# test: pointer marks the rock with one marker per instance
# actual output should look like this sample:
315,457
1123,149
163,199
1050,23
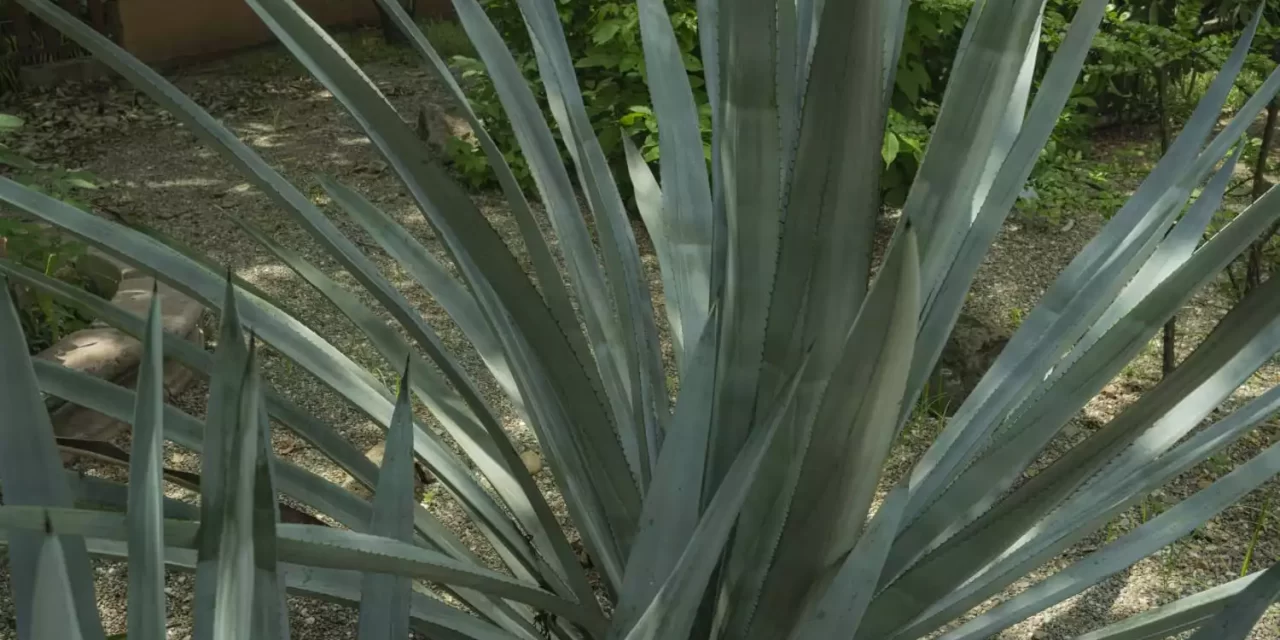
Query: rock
532,462
110,354
437,127
375,454
74,421
969,352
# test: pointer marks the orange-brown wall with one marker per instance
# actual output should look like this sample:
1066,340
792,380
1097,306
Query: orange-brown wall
163,30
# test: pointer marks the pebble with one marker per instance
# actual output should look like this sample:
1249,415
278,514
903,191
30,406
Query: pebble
532,462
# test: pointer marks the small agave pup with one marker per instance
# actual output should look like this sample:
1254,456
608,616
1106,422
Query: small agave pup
756,508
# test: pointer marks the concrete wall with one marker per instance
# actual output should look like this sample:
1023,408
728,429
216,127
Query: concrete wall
165,30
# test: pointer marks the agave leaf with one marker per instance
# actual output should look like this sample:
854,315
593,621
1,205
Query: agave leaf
819,286
544,265
850,439
31,474
750,158
480,436
1173,618
1106,263
337,549
182,429
287,334
498,281
322,547
808,23
433,277
114,496
671,612
1125,551
548,172
313,490
983,400
709,31
650,201
642,373
224,598
430,616
971,123
685,212
384,600
840,609
270,612
894,14
54,602
146,615
117,402
319,434
791,82
1173,251
1015,514
947,296
1106,497
673,503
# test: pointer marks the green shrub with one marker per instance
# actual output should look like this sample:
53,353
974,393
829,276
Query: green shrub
45,320
761,507
449,38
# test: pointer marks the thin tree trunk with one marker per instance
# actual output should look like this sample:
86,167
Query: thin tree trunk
1254,267
1169,343
390,33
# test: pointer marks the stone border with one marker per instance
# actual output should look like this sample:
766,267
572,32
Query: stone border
113,355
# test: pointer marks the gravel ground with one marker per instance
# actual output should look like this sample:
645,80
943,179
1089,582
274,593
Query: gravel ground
162,176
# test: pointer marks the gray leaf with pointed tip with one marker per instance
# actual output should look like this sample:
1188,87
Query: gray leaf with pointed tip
31,474
146,611
384,599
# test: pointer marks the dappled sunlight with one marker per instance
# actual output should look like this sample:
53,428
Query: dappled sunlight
270,141
182,183
355,141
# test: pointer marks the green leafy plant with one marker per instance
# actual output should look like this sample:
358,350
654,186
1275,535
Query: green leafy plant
61,183
45,320
758,508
